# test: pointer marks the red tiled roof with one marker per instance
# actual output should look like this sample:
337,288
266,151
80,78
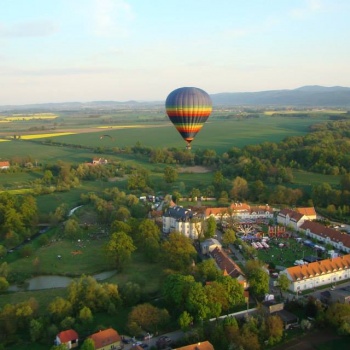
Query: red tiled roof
68,335
106,337
226,264
6,163
309,211
205,345
323,231
319,268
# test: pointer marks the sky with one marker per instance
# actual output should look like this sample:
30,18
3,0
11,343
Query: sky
120,50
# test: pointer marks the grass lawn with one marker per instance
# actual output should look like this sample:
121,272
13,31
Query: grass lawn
91,260
285,256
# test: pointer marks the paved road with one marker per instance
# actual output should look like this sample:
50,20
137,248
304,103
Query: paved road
174,336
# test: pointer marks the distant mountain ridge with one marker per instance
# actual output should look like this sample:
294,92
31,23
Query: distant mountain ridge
305,96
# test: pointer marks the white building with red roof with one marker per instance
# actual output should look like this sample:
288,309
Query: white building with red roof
4,165
289,217
319,273
69,338
327,235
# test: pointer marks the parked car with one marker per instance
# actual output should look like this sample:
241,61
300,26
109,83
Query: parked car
163,342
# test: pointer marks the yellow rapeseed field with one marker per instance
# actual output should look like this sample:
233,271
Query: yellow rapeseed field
4,140
40,136
31,117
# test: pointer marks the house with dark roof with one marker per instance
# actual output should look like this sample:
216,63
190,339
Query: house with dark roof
182,220
107,339
69,338
317,274
271,307
327,235
228,266
288,217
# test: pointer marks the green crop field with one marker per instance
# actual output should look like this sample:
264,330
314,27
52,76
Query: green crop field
216,134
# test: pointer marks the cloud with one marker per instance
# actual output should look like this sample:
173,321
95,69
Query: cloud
37,28
67,71
310,7
112,17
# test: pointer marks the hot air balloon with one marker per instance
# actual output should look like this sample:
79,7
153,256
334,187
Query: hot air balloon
188,108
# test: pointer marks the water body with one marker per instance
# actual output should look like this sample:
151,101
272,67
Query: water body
49,282
73,210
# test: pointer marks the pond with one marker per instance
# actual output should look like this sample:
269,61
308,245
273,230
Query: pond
49,282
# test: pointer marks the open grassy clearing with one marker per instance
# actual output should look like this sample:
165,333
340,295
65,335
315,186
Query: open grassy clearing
302,177
90,260
287,255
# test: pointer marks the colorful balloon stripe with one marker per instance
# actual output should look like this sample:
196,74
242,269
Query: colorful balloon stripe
188,108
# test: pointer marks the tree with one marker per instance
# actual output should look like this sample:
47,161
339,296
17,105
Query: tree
178,252
207,270
60,308
175,290
239,189
119,248
3,284
170,174
85,315
197,302
258,278
229,237
210,227
274,328
148,229
185,321
72,229
148,317
131,293
283,283
3,251
36,328
87,345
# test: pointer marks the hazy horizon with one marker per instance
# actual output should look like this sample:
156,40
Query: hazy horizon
121,50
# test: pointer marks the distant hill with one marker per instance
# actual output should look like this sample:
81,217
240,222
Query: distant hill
306,96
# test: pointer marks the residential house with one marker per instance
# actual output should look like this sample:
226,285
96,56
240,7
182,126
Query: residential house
327,235
271,307
228,266
317,274
205,345
69,338
209,245
4,165
291,218
99,161
241,211
182,220
107,339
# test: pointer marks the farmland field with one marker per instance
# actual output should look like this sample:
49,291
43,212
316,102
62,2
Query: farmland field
216,134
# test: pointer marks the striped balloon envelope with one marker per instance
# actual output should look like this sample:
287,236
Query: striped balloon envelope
188,108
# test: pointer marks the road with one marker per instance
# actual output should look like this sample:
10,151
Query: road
174,336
